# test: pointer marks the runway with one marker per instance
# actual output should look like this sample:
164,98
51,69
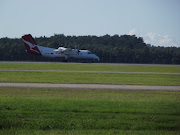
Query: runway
87,63
91,86
108,72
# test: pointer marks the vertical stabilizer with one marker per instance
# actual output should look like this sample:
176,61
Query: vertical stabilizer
30,45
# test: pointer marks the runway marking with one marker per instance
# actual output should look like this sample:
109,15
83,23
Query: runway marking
91,86
108,72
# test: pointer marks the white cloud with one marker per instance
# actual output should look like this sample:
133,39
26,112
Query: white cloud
155,39
165,36
151,35
165,40
132,32
159,40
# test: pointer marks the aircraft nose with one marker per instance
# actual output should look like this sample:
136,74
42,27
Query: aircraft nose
97,58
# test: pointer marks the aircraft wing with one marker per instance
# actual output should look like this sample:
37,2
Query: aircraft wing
64,49
67,49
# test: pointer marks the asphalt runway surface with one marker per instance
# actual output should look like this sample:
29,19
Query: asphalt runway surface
108,72
87,63
90,86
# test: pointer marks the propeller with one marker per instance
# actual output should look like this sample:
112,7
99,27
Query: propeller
78,51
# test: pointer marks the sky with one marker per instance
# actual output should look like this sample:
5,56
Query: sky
157,21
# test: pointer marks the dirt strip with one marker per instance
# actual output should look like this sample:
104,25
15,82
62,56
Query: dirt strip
90,86
108,72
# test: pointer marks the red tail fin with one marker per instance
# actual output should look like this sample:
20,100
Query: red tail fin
31,45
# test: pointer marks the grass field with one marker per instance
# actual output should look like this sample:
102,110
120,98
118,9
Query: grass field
91,67
67,111
62,111
89,78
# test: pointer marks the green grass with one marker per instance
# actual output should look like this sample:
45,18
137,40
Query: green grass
89,78
90,67
66,111
96,78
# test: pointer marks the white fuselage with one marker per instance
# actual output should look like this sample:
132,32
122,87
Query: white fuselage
67,53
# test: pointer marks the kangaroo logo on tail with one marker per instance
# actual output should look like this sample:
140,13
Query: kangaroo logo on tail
31,45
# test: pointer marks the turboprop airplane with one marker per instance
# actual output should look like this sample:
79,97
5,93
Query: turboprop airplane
32,48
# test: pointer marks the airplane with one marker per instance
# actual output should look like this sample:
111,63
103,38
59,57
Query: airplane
66,53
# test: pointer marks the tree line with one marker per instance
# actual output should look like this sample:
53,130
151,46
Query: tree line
110,49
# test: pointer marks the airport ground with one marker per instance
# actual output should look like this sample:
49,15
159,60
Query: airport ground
59,110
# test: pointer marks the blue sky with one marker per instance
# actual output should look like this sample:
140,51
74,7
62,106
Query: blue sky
157,21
